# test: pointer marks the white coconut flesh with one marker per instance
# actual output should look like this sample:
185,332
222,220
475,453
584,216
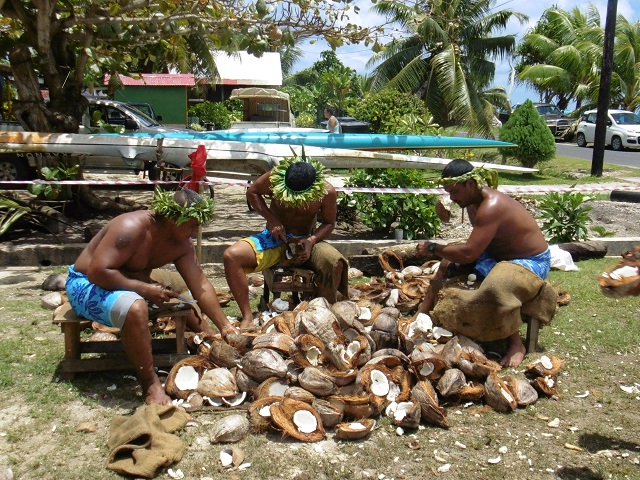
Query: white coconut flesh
549,381
277,389
379,383
226,457
213,401
271,328
426,369
422,324
546,362
265,412
441,332
506,394
622,272
391,409
187,378
280,305
357,426
365,313
235,400
394,391
313,354
305,421
352,349
401,410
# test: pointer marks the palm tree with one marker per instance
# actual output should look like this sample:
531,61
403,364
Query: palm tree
560,58
626,68
446,57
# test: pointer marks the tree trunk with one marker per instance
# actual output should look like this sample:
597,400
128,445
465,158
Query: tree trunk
585,250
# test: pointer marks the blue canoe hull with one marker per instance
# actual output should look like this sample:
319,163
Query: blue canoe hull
351,141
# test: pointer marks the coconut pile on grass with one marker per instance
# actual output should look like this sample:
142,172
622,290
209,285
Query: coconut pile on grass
341,366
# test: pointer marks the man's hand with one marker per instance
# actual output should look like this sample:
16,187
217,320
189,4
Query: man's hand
305,246
277,230
421,249
159,294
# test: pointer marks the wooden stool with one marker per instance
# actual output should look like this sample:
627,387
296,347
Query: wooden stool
279,279
166,351
533,329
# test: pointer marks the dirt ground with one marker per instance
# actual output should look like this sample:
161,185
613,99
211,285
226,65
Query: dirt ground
475,438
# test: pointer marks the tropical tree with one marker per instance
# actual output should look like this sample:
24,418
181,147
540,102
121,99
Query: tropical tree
626,67
446,57
560,58
63,46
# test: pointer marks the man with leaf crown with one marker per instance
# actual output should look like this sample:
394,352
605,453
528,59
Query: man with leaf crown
110,282
504,233
298,193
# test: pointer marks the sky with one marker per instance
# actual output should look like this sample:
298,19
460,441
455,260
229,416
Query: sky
356,56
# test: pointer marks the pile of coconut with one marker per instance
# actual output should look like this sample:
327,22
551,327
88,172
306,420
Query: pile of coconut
624,277
341,366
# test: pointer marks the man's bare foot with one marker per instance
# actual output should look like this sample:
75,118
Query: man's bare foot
514,356
156,394
247,324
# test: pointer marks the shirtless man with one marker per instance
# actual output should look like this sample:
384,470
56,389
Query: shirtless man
502,230
110,281
298,192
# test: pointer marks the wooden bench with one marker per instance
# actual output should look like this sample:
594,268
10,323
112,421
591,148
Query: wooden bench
279,279
533,330
166,351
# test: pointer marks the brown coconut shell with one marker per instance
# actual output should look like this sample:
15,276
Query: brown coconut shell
331,413
223,354
364,375
340,378
282,415
301,345
402,378
498,395
260,423
538,367
264,363
274,340
390,261
271,387
199,363
427,365
244,382
317,381
354,430
472,391
217,382
451,382
522,390
300,394
430,412
547,385
356,406
476,365
411,419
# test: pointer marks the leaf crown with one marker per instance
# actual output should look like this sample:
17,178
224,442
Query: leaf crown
479,174
165,205
297,198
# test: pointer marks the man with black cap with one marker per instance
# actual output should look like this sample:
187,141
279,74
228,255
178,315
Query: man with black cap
298,191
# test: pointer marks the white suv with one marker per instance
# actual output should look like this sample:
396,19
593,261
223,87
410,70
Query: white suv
623,129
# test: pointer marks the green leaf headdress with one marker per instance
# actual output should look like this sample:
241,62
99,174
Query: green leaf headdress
479,174
297,198
165,205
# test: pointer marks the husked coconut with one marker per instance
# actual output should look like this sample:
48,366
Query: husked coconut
317,381
184,376
277,341
244,382
451,382
346,312
217,382
354,430
223,354
410,272
498,395
298,420
424,394
318,320
330,412
263,363
522,391
230,429
384,331
545,365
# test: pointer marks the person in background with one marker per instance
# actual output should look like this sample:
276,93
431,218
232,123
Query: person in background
332,122
110,282
298,193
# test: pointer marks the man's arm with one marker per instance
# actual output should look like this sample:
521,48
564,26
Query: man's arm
328,210
203,291
256,194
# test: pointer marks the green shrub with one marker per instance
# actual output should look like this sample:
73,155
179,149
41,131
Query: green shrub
565,217
528,129
305,120
219,113
415,214
385,109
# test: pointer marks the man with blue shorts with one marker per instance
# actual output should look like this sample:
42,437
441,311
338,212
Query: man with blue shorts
110,282
298,193
503,230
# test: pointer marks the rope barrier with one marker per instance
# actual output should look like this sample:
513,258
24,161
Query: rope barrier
150,184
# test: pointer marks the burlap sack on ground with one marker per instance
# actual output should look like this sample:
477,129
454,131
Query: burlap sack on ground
497,308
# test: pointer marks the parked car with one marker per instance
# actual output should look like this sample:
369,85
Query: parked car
23,166
147,109
556,120
623,129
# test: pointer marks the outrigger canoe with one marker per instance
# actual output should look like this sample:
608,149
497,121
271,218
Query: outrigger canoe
352,141
249,158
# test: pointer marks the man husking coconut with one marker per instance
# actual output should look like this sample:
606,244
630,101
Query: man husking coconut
298,192
504,234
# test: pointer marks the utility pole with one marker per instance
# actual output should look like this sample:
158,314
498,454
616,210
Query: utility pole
597,161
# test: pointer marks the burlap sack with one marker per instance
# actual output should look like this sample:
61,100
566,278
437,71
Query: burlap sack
497,308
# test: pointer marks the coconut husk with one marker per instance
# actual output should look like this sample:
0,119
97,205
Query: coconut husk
472,391
224,298
230,429
357,352
222,354
364,377
331,413
390,261
300,394
522,390
545,366
451,352
279,324
415,288
498,395
260,423
198,363
275,340
451,382
241,342
217,382
342,378
564,298
99,327
547,385
317,381
389,357
346,312
476,365
354,430
430,412
244,382
356,406
302,345
402,378
623,277
271,387
264,363
406,415
428,365
282,415
318,320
